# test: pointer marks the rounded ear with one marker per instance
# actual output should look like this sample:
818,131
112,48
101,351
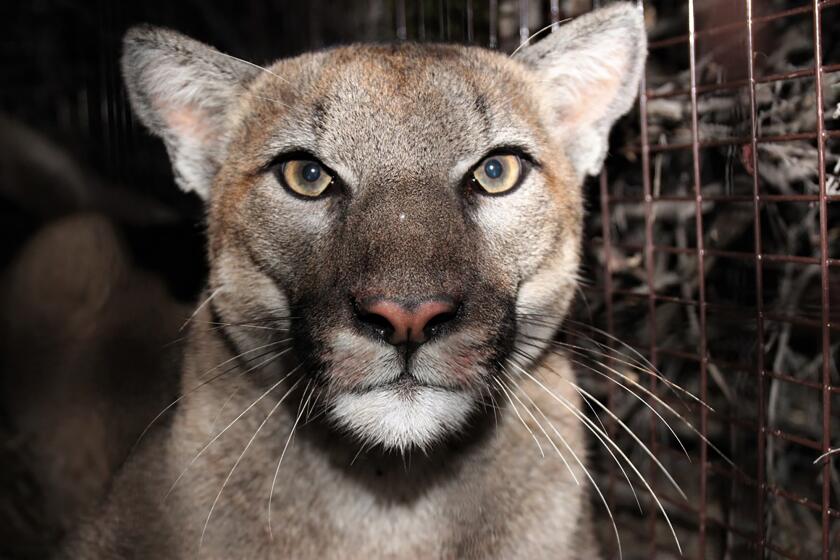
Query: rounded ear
591,68
182,91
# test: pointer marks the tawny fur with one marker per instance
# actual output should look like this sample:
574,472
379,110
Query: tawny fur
401,126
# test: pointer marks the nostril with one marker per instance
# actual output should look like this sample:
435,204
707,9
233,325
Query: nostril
437,322
375,322
386,319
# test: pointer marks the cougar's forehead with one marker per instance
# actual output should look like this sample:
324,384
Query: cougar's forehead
418,104
406,106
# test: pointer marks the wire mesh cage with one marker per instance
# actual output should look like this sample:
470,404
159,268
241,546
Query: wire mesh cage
712,260
719,256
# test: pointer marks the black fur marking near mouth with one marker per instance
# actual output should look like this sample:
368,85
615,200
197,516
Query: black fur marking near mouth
407,350
406,385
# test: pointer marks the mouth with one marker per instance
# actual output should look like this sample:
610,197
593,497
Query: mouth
404,396
407,384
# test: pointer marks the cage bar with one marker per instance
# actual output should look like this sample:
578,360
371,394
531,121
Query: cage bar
469,17
402,28
805,9
824,278
649,277
701,286
493,23
421,21
524,24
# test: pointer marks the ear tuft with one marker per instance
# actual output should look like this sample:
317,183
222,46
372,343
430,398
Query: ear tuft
182,90
591,68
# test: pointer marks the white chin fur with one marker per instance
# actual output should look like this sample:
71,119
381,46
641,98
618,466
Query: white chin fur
397,420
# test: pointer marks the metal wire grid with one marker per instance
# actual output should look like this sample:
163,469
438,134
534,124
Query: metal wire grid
758,539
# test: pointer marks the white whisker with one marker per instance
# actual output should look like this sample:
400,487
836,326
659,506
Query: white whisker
614,458
643,401
638,366
582,417
257,66
362,448
653,370
241,354
199,386
513,406
624,426
244,325
655,397
585,471
612,455
238,459
637,396
200,307
226,428
527,41
222,408
551,441
283,454
632,434
827,454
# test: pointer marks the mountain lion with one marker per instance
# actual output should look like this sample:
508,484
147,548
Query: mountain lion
394,238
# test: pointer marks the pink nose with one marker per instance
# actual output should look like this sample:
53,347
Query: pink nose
400,324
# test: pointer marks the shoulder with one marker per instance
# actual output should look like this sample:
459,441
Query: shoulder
133,521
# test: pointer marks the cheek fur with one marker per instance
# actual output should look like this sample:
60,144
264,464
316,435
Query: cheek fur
549,292
457,361
538,227
519,228
356,363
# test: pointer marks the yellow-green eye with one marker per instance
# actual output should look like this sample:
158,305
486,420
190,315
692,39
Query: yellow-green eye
306,177
498,173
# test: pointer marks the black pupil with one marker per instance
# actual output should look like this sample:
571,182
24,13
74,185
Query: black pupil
311,172
493,168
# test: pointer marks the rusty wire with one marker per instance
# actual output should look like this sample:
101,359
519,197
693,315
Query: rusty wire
758,539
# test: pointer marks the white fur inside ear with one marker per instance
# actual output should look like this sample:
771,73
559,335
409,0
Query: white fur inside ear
182,91
588,78
591,149
185,103
590,70
395,419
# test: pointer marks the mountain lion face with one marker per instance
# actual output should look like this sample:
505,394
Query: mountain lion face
405,217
